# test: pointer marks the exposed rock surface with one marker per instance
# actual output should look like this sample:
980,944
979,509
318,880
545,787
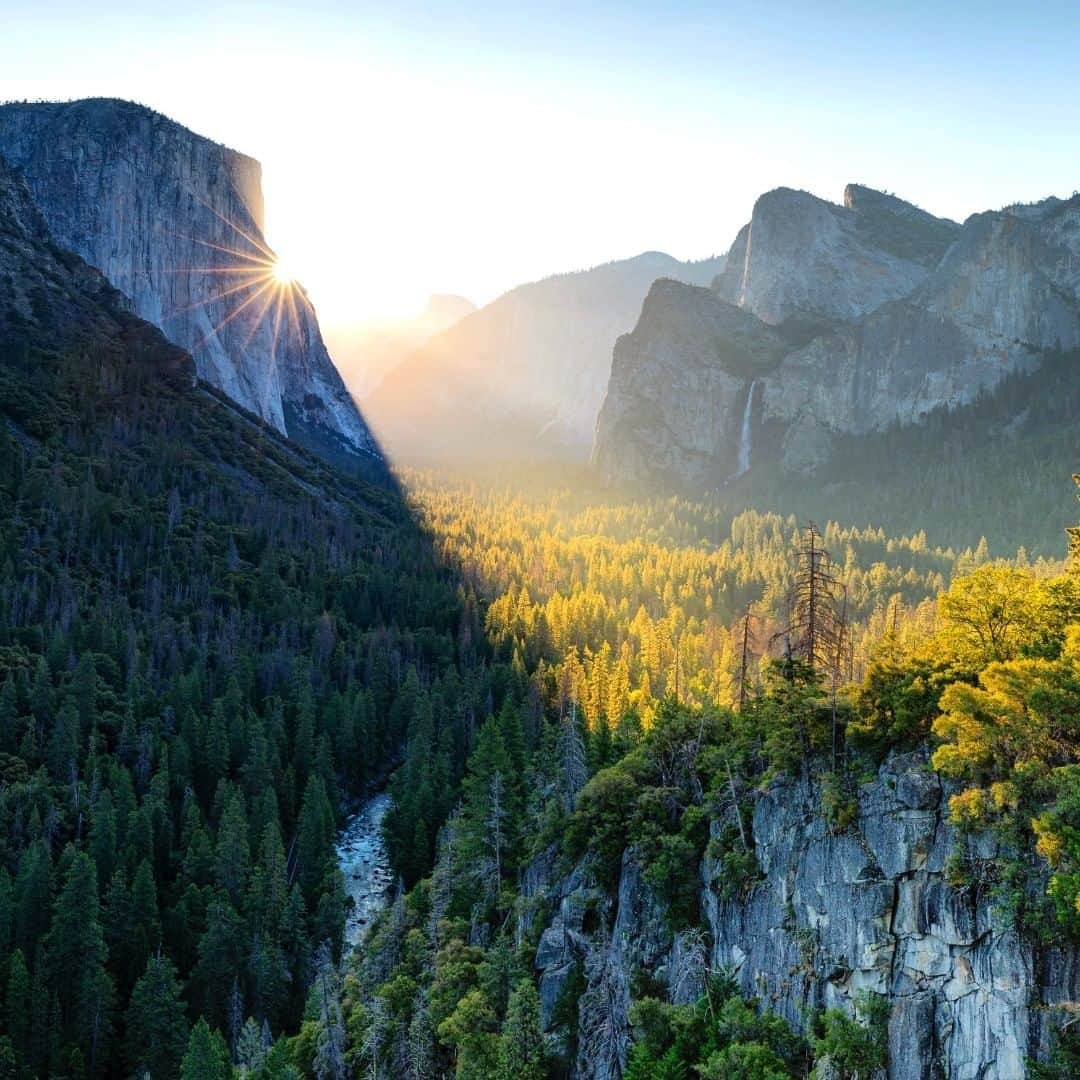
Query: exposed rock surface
833,915
680,432
174,221
803,256
50,297
527,372
888,312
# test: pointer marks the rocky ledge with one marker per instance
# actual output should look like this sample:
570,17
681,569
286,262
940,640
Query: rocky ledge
832,915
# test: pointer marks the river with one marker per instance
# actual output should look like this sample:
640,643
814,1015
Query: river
365,864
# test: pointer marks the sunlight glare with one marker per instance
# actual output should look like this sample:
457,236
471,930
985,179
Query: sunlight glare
282,274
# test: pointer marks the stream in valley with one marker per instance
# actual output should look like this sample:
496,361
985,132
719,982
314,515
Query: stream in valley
365,865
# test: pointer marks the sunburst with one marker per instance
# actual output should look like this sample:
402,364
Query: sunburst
253,282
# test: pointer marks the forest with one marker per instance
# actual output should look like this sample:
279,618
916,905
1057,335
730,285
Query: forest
212,645
674,665
206,642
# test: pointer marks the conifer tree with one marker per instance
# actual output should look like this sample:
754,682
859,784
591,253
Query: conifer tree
75,947
233,850
314,839
144,931
17,1008
32,897
522,1053
156,1030
207,1056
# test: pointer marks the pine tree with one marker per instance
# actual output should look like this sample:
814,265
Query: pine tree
17,1006
75,946
156,1030
145,928
329,1063
32,897
813,633
250,1047
102,840
233,852
207,1056
521,1051
314,839
221,950
573,766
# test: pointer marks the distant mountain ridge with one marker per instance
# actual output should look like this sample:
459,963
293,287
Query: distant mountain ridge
524,376
174,221
888,314
365,351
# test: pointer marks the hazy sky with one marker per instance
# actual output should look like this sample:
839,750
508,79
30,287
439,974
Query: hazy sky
459,147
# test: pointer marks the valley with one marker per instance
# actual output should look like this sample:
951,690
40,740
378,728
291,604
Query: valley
669,668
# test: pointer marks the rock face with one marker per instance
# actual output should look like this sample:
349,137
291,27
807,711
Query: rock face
801,256
50,298
888,313
868,909
174,221
688,432
529,370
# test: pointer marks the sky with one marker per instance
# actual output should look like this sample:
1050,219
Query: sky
469,147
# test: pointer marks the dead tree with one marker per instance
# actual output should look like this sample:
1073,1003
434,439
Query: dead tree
838,663
813,631
747,636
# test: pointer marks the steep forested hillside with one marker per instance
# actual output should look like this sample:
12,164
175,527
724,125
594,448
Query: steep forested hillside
209,642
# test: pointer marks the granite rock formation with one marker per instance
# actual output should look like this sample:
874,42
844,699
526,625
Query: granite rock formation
831,915
174,221
887,313
50,298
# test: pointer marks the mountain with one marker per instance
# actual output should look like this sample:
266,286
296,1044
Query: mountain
366,351
524,376
888,316
802,257
174,221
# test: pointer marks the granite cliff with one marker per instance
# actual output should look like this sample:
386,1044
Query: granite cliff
51,299
832,914
888,315
174,221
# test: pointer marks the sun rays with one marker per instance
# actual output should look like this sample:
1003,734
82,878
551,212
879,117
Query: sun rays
244,283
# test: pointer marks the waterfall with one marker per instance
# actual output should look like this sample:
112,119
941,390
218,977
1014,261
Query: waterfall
745,433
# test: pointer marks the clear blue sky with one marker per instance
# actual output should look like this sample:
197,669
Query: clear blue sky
468,147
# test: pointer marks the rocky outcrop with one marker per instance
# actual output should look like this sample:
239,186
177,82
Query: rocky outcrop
831,916
174,221
803,257
528,371
888,313
869,909
667,421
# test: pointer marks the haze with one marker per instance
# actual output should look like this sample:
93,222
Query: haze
466,149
